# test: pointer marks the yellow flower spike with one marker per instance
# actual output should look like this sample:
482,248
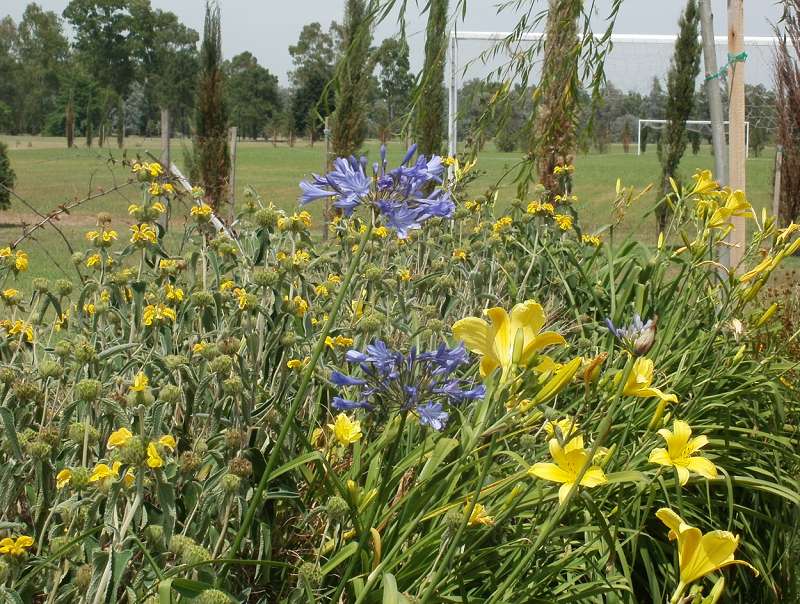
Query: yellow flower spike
102,471
495,341
168,441
15,547
63,478
569,461
640,380
699,554
479,516
154,459
345,430
704,183
140,382
735,205
119,438
680,451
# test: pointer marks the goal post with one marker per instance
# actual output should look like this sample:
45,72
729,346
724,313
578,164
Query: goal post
644,122
453,79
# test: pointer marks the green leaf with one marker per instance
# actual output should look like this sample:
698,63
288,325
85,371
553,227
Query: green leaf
11,432
342,555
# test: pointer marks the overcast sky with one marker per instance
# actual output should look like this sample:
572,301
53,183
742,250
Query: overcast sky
267,28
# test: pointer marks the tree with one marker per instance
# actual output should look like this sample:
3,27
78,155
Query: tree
626,136
352,80
554,133
43,51
683,72
396,82
430,106
787,78
166,62
252,94
212,157
7,178
104,41
9,82
314,57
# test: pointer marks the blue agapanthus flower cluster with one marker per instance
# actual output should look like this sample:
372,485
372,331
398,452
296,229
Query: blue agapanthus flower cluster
638,337
406,196
420,383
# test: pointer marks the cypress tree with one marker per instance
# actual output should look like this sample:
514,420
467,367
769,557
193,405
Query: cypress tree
352,81
431,104
212,157
69,124
554,138
7,178
683,72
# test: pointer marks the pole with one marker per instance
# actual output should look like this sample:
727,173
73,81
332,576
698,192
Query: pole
233,137
776,191
736,151
714,95
639,138
452,134
327,211
166,162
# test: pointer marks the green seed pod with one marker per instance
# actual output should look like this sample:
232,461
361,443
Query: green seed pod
170,394
266,217
38,449
50,435
370,323
266,277
230,483
63,349
310,572
83,577
7,375
200,446
527,443
202,299
80,478
233,385
241,467
27,392
173,361
210,352
195,554
228,345
222,364
76,433
212,596
235,439
41,285
88,390
289,338
189,461
154,534
337,509
453,519
179,543
133,452
49,368
85,352
63,287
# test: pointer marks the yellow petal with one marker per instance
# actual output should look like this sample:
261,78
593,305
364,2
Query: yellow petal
660,457
715,550
500,335
550,471
474,332
702,466
564,491
529,317
154,460
683,474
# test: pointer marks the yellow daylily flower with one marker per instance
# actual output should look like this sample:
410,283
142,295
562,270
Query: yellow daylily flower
704,182
567,426
140,382
15,547
679,452
63,478
119,438
640,380
479,516
735,205
345,430
496,341
154,459
699,554
569,461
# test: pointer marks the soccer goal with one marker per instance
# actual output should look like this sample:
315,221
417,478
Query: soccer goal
634,62
699,126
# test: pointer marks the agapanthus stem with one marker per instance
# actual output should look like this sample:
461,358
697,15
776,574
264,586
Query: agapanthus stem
305,382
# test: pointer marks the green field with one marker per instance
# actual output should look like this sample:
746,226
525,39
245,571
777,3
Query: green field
49,174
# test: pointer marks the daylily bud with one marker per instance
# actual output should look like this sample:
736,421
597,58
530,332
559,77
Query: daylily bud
767,315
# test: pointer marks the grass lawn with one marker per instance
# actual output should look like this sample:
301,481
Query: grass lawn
49,174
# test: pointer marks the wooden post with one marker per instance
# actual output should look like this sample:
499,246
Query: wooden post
165,160
736,150
232,135
776,190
